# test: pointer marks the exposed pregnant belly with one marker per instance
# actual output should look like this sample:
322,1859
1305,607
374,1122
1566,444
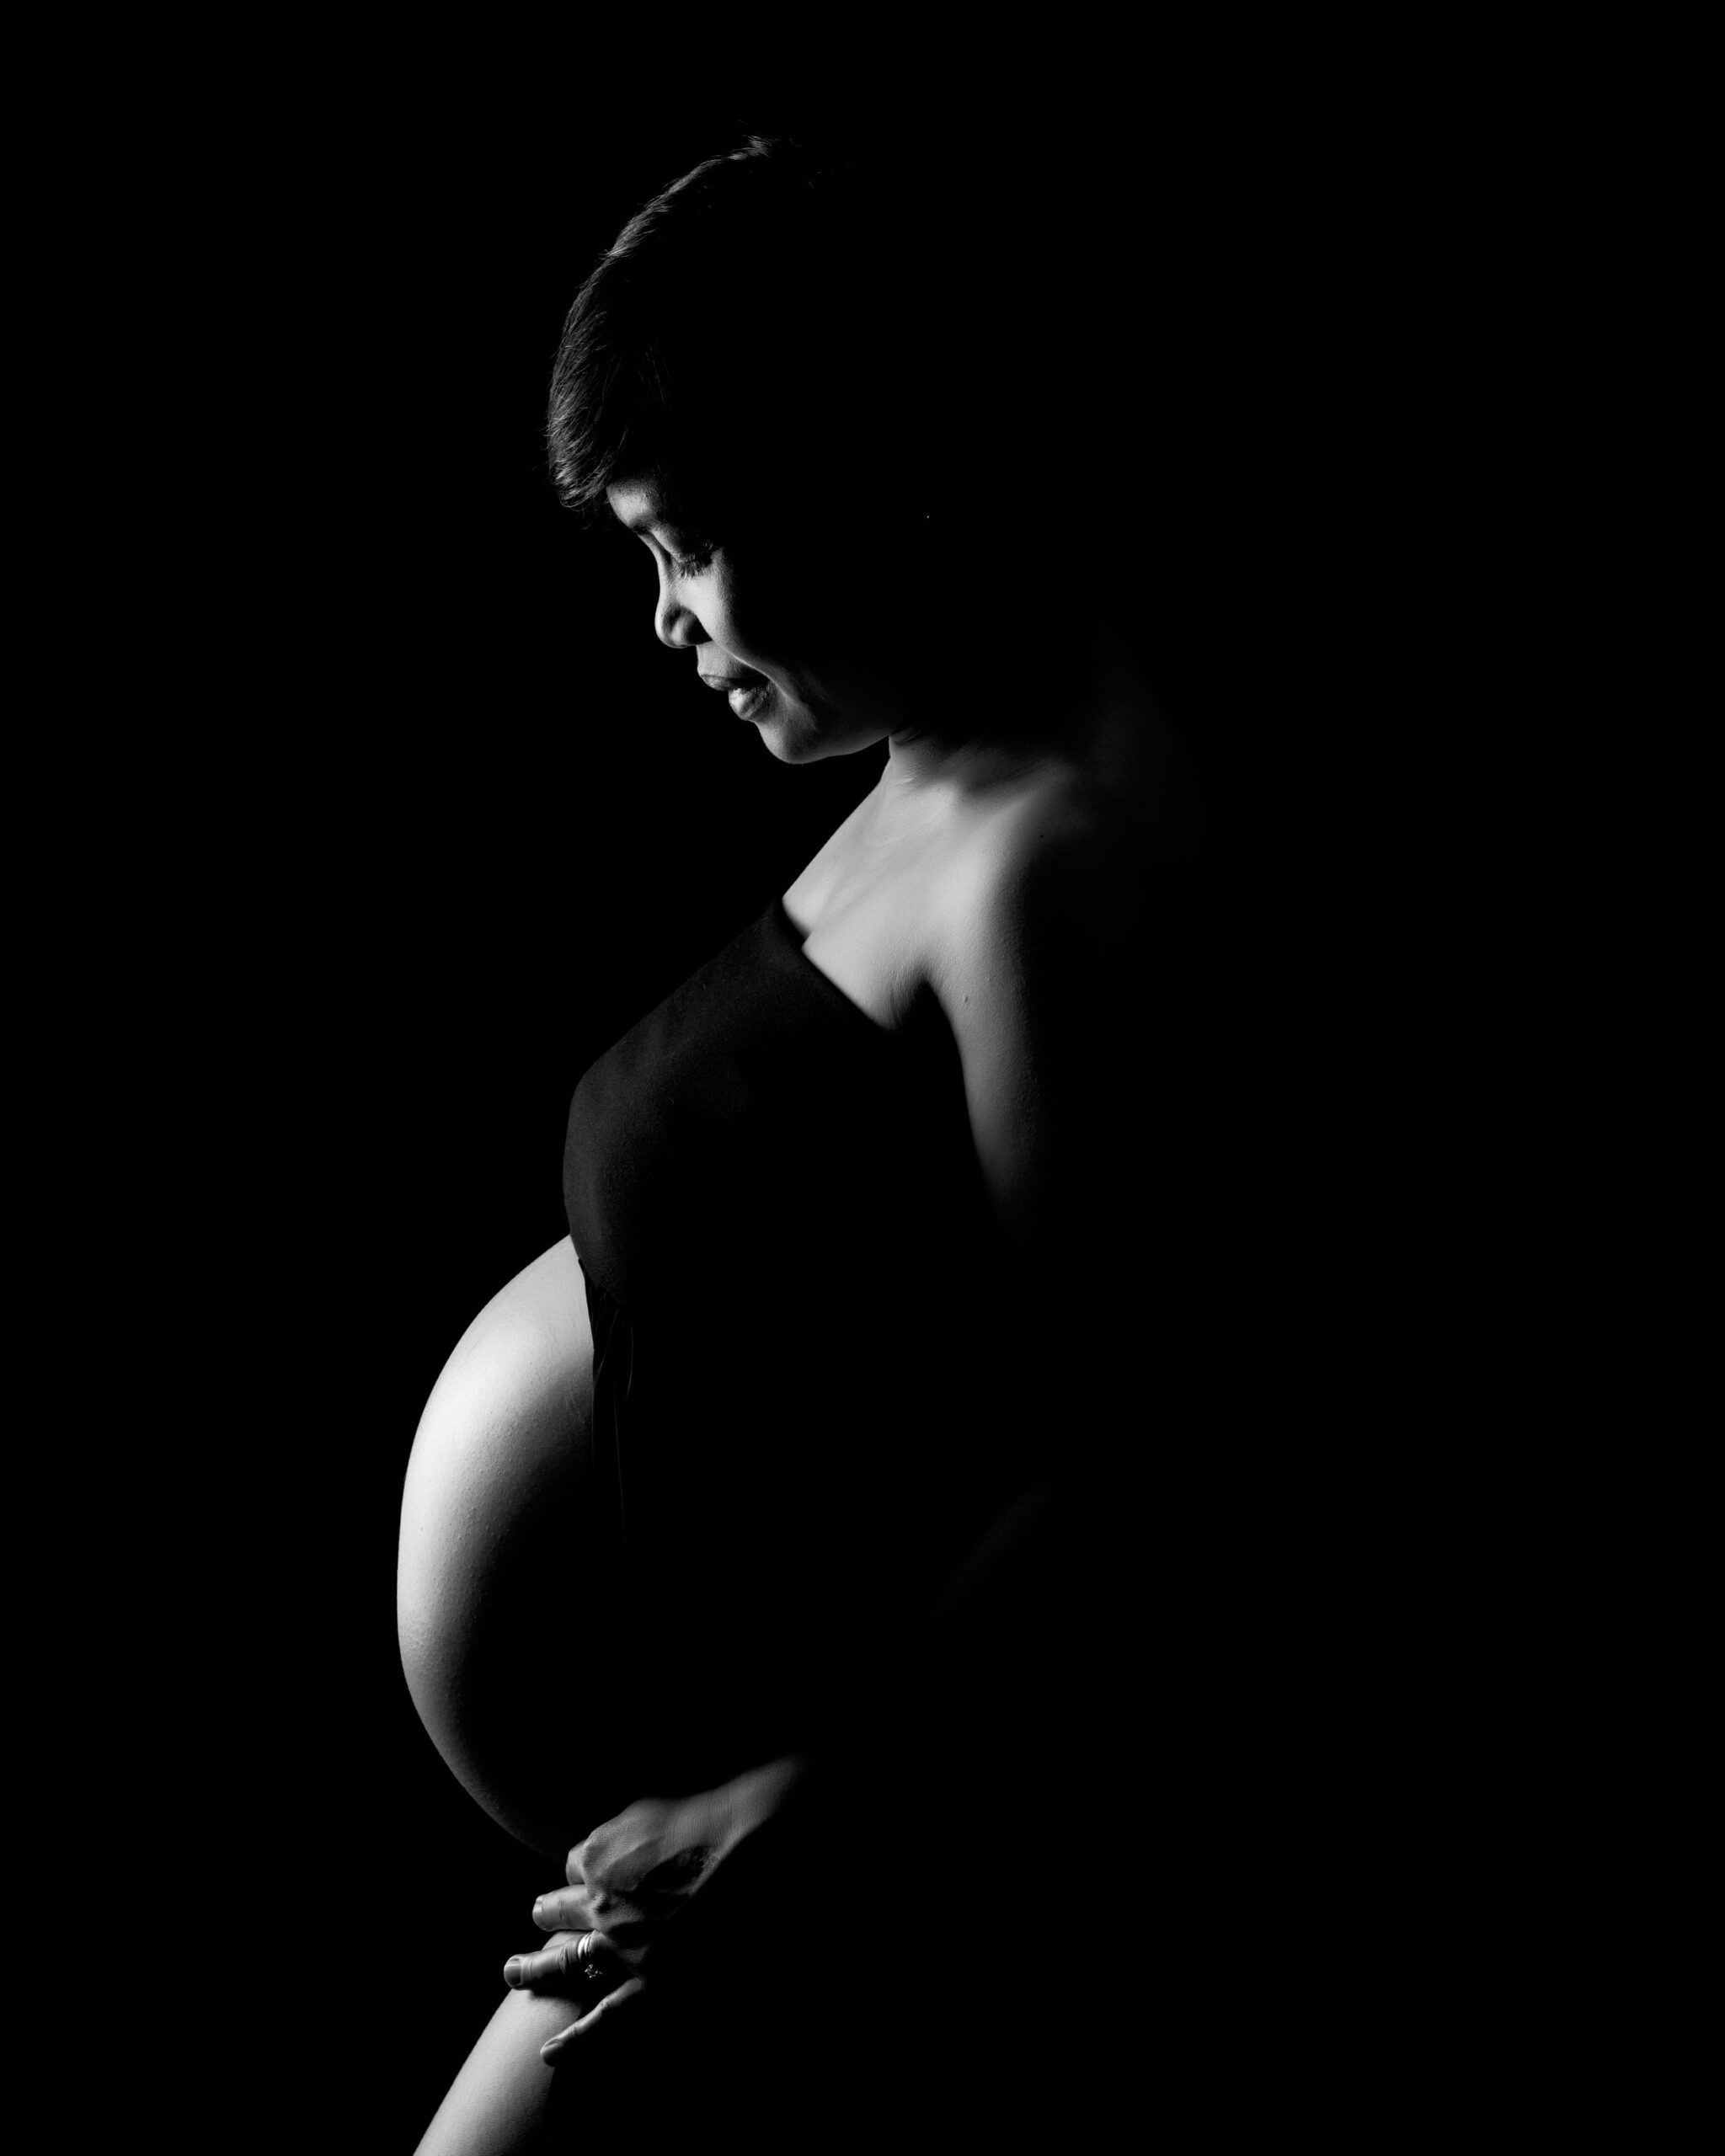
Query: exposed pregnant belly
501,1653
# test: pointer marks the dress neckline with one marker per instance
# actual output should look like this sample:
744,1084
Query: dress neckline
793,937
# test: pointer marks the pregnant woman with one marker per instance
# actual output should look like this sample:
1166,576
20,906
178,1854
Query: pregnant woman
774,1548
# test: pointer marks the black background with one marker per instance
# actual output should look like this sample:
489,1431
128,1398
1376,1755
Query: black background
487,821
424,818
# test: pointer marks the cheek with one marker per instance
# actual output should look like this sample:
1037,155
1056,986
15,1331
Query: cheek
768,628
810,604
825,608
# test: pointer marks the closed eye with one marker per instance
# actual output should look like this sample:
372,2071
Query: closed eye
695,562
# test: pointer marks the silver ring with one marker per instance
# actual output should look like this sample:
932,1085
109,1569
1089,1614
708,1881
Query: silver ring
584,1958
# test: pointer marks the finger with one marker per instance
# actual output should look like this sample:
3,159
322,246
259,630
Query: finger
568,1908
571,1965
576,1909
613,2003
553,1967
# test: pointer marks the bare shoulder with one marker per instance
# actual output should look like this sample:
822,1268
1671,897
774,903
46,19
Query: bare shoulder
1078,918
1051,870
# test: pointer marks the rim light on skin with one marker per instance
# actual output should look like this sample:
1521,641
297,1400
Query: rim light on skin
821,690
808,704
688,570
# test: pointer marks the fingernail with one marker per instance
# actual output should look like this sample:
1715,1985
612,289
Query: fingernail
512,1969
538,1905
551,2049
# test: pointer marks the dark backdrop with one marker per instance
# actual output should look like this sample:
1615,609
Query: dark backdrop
490,822
438,820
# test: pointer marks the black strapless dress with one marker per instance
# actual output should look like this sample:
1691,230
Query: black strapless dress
1138,1880
810,1382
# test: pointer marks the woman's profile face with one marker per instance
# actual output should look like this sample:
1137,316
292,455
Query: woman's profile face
802,639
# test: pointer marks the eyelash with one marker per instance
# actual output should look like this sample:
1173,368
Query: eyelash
694,563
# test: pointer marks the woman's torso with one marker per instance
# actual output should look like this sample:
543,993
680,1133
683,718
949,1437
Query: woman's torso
801,1320
920,1354
827,1403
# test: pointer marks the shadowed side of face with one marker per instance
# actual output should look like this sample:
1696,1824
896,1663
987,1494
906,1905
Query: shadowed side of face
811,630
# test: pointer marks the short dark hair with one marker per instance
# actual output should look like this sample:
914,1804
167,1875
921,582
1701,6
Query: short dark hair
1059,347
739,317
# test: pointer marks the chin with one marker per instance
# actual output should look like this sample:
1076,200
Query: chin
783,751
796,737
793,734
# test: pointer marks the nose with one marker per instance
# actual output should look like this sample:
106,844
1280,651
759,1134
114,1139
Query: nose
673,624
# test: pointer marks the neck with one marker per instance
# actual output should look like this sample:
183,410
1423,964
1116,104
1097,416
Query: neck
1056,704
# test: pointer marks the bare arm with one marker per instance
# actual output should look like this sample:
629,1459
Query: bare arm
1088,1014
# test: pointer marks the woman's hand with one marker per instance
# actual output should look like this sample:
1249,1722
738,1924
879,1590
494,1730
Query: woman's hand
582,1965
627,1880
637,1870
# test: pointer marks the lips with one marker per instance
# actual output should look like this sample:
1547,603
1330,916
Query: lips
747,691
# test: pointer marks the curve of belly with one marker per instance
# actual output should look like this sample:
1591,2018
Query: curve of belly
495,1645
